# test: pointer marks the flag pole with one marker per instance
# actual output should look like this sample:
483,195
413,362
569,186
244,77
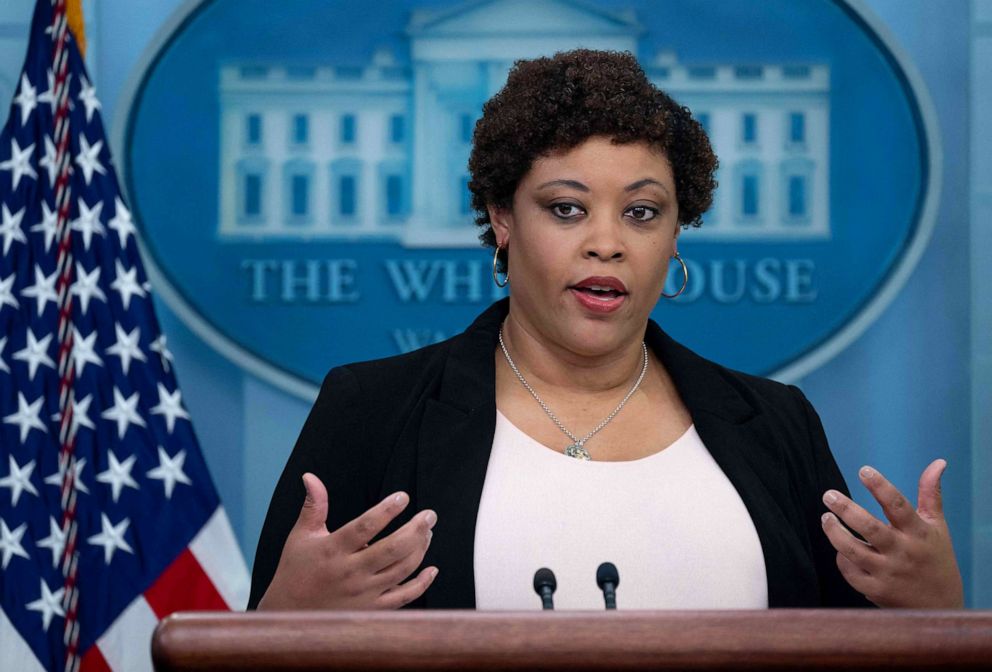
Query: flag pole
67,460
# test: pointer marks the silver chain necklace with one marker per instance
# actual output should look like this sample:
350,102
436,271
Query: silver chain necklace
577,448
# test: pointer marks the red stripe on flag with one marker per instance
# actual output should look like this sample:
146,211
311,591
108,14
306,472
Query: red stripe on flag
184,585
93,661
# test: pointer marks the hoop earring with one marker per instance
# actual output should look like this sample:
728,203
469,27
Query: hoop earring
506,278
685,278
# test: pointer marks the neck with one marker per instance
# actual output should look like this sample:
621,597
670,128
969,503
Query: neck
551,364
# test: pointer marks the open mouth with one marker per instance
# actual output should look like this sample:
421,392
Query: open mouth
600,293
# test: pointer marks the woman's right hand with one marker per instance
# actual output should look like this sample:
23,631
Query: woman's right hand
340,570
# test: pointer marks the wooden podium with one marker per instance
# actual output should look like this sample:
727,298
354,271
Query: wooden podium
634,640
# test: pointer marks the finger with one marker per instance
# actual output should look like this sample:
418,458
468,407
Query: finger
409,591
355,534
877,533
313,515
860,580
852,548
400,570
400,544
896,507
929,502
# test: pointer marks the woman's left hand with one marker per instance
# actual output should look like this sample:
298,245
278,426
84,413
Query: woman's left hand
907,563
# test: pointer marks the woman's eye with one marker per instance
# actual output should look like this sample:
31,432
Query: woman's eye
566,210
643,213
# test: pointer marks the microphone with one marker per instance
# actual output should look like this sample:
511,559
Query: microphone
608,579
545,585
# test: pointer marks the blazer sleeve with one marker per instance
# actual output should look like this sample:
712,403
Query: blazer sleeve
835,591
329,446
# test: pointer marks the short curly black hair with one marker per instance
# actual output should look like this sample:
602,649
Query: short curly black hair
554,104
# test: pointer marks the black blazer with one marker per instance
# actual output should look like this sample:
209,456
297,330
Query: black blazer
424,422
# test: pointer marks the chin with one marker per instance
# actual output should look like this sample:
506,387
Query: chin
596,337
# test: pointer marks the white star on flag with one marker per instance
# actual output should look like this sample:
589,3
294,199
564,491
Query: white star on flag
10,543
158,345
126,283
49,604
19,162
124,412
82,351
6,292
87,286
80,417
118,475
122,222
77,479
87,95
3,344
19,480
35,353
55,541
169,405
26,99
48,161
170,470
111,537
88,222
49,95
127,347
43,289
27,416
10,227
47,225
88,158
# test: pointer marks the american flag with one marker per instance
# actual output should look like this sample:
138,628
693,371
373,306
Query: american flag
108,518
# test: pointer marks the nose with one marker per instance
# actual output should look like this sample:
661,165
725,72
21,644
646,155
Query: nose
604,240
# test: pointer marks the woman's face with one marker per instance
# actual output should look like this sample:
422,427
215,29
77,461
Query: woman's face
588,238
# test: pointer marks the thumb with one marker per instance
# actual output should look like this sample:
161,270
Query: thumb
930,505
313,515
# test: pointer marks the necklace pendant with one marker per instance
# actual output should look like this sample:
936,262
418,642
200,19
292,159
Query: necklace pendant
578,451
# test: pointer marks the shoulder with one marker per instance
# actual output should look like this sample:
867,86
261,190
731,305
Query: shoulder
708,386
392,372
390,383
384,387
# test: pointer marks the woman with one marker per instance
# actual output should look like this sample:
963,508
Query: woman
564,428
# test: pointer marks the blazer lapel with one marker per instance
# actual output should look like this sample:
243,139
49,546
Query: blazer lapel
736,435
456,436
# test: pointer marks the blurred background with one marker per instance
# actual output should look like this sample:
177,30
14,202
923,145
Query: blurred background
297,174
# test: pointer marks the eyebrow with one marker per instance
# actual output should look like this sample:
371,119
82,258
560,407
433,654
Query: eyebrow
565,183
634,186
643,183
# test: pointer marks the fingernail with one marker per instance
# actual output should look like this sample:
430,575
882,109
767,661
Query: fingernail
824,518
431,518
433,573
829,497
867,473
399,499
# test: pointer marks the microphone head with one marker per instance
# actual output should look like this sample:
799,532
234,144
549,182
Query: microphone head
544,578
607,573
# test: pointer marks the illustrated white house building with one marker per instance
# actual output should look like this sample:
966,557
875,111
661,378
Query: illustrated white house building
379,150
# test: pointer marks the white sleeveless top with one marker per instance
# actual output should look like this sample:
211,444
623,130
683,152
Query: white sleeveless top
672,523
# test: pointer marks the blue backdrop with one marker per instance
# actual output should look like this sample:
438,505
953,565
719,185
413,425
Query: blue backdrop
912,387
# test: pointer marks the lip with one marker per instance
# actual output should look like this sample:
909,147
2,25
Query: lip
602,281
600,305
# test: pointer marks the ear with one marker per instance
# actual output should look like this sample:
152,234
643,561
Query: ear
675,241
502,224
